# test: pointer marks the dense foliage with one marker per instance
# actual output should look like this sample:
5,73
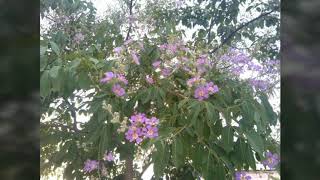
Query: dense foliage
192,108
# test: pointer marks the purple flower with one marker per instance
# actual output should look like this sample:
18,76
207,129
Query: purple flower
90,165
165,72
134,134
156,64
78,37
242,176
271,161
135,58
129,41
172,48
117,50
201,93
122,78
259,84
193,80
138,118
151,132
149,79
118,90
152,121
179,3
108,157
107,77
212,88
163,47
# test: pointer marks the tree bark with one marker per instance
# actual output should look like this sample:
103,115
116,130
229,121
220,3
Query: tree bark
129,169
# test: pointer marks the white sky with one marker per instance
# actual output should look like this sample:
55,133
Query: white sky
102,6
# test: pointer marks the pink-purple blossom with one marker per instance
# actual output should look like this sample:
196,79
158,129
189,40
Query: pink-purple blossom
156,64
151,131
165,72
117,50
149,79
78,37
242,176
212,88
122,78
201,93
90,165
107,77
118,90
135,58
192,81
163,47
271,161
108,156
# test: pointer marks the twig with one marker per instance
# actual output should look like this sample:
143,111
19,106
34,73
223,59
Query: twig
239,28
130,13
73,114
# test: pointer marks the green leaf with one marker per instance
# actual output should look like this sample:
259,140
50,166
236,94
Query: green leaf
249,157
211,114
95,61
43,50
160,159
55,47
227,138
182,103
255,141
178,150
54,71
45,84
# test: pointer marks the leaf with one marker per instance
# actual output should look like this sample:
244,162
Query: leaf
249,157
45,84
160,159
95,61
178,152
55,47
54,71
43,50
182,103
211,114
227,138
195,112
255,141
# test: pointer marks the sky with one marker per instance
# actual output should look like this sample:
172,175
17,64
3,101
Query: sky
102,6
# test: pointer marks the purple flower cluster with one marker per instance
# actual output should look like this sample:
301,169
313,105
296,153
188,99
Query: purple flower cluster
90,165
173,47
135,57
242,176
117,50
259,84
78,37
202,92
116,88
149,79
108,156
271,161
142,127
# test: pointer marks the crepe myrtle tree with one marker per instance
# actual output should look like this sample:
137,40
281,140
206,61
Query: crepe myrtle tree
116,101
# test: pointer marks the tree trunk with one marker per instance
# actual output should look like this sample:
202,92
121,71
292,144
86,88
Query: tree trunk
129,169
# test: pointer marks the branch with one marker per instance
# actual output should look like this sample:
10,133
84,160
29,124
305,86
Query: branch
239,28
209,31
73,114
130,13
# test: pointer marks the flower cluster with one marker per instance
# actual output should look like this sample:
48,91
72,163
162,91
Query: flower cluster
116,88
242,176
241,64
78,38
271,161
203,89
91,165
141,128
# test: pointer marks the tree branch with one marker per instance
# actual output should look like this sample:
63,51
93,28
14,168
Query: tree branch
209,31
239,28
73,114
130,13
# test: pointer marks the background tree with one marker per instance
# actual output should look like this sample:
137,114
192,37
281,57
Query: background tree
226,132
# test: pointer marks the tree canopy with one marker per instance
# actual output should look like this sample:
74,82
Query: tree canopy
130,89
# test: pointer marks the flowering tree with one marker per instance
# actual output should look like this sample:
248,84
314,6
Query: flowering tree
127,91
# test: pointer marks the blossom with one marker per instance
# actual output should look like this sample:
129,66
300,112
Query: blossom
122,78
201,93
212,88
152,121
118,90
138,118
78,37
193,80
172,48
156,64
151,132
108,156
129,41
107,77
149,79
90,165
163,47
134,134
242,176
259,84
271,161
165,72
135,58
117,50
